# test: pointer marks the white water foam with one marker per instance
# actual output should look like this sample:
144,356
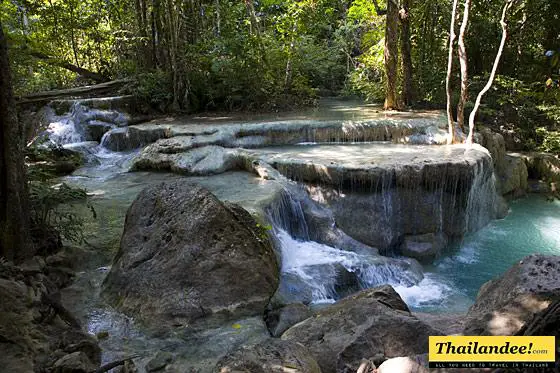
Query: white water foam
64,131
429,291
316,265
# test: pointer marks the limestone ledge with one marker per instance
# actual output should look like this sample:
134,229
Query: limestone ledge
179,137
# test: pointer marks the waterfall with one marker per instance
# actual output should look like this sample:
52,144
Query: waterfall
66,128
286,214
82,121
312,272
482,198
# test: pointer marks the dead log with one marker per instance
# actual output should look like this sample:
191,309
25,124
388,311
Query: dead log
77,92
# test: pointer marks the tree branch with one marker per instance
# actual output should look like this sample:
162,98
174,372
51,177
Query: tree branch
96,77
492,74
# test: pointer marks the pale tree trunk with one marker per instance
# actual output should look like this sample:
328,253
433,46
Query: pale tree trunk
407,86
472,116
172,24
391,55
289,73
15,243
464,68
451,134
218,18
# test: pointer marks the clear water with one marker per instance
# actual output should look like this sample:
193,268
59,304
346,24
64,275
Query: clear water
532,226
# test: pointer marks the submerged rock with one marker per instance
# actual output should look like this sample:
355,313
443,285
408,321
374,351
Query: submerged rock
373,324
272,356
159,362
424,247
187,259
506,305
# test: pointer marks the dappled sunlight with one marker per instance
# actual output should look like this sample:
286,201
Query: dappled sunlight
515,316
363,155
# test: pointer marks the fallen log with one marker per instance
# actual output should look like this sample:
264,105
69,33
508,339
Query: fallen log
77,92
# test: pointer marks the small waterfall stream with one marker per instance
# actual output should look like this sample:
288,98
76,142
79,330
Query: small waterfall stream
317,273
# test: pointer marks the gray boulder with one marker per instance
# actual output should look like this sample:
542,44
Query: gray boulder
424,247
280,320
272,356
506,305
373,324
513,176
187,259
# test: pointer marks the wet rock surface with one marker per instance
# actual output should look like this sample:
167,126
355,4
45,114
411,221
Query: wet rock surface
373,323
187,259
507,305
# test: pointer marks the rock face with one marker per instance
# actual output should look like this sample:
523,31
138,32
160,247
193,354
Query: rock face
374,324
272,356
513,176
36,333
280,320
506,305
186,258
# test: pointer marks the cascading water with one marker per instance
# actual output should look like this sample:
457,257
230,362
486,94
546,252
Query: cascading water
482,199
318,273
82,120
66,128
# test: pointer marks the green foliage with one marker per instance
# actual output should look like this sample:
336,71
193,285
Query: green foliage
550,140
51,204
264,230
529,110
47,208
152,88
48,160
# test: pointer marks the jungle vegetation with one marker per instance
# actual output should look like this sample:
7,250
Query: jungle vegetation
189,56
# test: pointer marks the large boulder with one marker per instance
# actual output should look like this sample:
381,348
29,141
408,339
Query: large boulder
187,259
495,144
506,305
373,324
513,176
272,356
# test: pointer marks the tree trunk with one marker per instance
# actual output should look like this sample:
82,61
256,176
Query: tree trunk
289,74
15,243
492,74
464,68
391,55
407,87
451,134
